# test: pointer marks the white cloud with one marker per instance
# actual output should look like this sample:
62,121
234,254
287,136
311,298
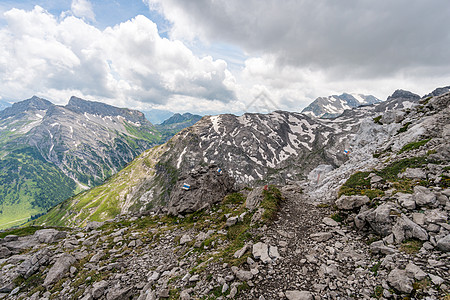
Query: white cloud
300,50
82,9
123,65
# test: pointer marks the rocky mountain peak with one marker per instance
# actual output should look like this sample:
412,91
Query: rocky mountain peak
79,105
335,105
34,103
403,94
439,91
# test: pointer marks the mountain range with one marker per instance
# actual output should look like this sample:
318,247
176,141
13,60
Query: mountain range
50,152
252,149
333,106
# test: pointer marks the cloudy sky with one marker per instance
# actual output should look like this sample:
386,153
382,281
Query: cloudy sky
211,56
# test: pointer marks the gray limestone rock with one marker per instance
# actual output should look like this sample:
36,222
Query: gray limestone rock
207,187
381,219
406,200
423,196
415,271
444,243
242,274
400,280
351,202
185,239
404,228
261,251
59,269
299,295
380,247
254,198
98,289
413,173
321,236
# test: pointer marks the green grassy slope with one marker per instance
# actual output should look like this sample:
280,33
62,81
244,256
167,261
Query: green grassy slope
29,185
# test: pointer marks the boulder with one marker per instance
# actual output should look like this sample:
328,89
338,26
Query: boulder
413,173
381,219
185,239
404,228
321,236
261,251
254,198
423,196
435,216
400,280
93,225
273,253
59,269
242,274
98,289
380,247
444,243
406,200
330,222
415,271
207,187
240,252
351,202
4,252
231,221
49,236
117,293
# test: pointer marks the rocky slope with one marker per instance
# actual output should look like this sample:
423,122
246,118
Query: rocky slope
373,227
50,152
333,106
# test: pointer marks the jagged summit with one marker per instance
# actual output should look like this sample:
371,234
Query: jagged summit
404,95
438,91
333,106
98,108
34,103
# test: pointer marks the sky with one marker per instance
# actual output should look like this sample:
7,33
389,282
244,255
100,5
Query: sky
211,56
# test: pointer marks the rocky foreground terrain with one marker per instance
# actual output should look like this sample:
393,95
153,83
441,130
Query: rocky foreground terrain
376,226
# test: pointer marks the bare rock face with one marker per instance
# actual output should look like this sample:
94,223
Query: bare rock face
207,186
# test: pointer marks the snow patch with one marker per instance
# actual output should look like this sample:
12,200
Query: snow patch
180,159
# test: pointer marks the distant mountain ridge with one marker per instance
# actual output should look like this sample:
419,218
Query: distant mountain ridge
333,106
50,152
4,104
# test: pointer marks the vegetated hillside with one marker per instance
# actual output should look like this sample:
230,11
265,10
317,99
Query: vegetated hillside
252,149
48,152
176,123
333,106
